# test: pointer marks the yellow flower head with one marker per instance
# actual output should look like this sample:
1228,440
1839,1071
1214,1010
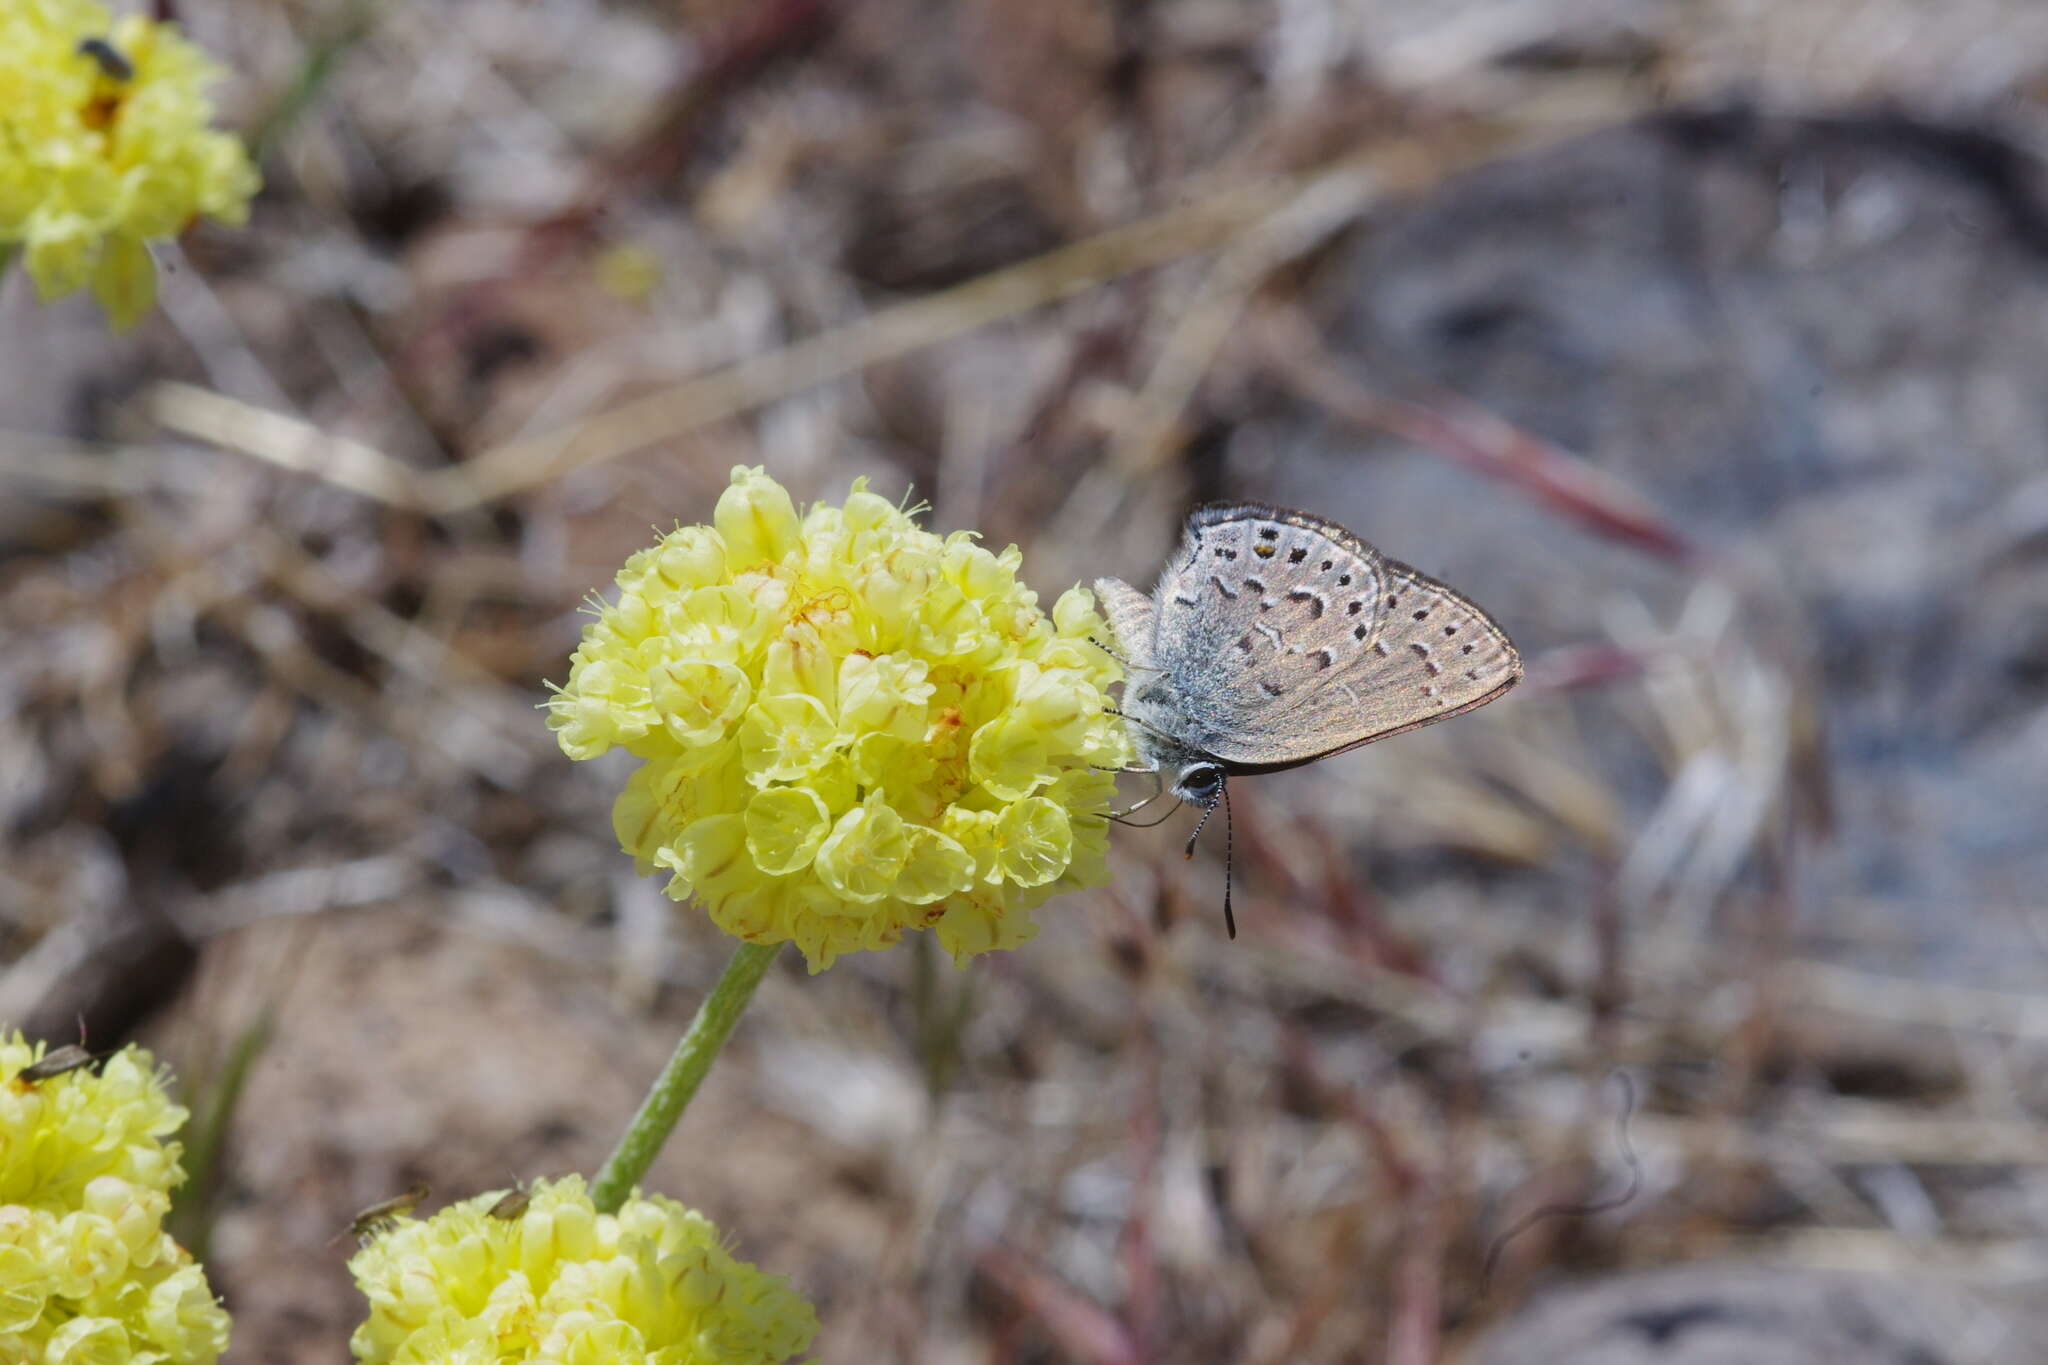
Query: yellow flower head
87,1273
849,726
487,1280
104,145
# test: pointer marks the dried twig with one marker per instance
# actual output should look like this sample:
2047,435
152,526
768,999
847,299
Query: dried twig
1083,1330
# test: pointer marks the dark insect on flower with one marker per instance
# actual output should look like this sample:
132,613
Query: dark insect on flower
56,1062
377,1219
108,56
509,1206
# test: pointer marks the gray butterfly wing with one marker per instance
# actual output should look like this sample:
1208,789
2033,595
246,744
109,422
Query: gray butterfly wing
1286,638
1131,619
1431,654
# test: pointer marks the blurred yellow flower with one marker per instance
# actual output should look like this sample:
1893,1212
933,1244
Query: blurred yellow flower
849,726
490,1280
87,1273
104,146
628,272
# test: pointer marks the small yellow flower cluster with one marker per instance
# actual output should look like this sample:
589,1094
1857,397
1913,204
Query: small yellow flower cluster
849,726
561,1282
87,1273
104,145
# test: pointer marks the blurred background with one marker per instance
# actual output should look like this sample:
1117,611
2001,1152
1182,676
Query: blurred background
1689,1003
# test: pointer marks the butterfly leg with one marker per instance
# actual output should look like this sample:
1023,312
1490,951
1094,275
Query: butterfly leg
1126,767
1146,824
1122,817
1130,719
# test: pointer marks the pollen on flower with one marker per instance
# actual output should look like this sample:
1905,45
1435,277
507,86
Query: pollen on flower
849,726
105,145
551,1278
87,1272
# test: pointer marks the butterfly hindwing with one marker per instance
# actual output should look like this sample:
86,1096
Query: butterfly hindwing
1285,638
1131,619
1431,654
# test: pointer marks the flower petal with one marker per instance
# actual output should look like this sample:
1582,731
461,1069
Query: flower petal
124,280
883,695
699,701
785,737
1036,839
785,826
936,868
755,519
1009,757
865,853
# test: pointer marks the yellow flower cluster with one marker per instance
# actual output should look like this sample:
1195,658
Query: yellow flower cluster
87,1273
849,726
561,1282
105,145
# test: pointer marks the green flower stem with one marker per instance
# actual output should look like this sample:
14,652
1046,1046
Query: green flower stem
681,1077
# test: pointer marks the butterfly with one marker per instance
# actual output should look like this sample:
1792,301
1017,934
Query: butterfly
1276,638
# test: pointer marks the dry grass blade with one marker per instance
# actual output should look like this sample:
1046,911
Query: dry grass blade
88,467
282,440
1961,1009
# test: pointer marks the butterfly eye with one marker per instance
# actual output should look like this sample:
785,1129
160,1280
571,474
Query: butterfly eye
1201,783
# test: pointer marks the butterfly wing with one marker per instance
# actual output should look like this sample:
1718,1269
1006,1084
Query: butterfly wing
1131,619
1287,638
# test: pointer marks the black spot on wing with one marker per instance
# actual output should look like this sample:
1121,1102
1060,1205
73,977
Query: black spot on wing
1314,600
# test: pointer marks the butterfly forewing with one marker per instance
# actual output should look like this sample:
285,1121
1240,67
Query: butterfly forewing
1287,638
